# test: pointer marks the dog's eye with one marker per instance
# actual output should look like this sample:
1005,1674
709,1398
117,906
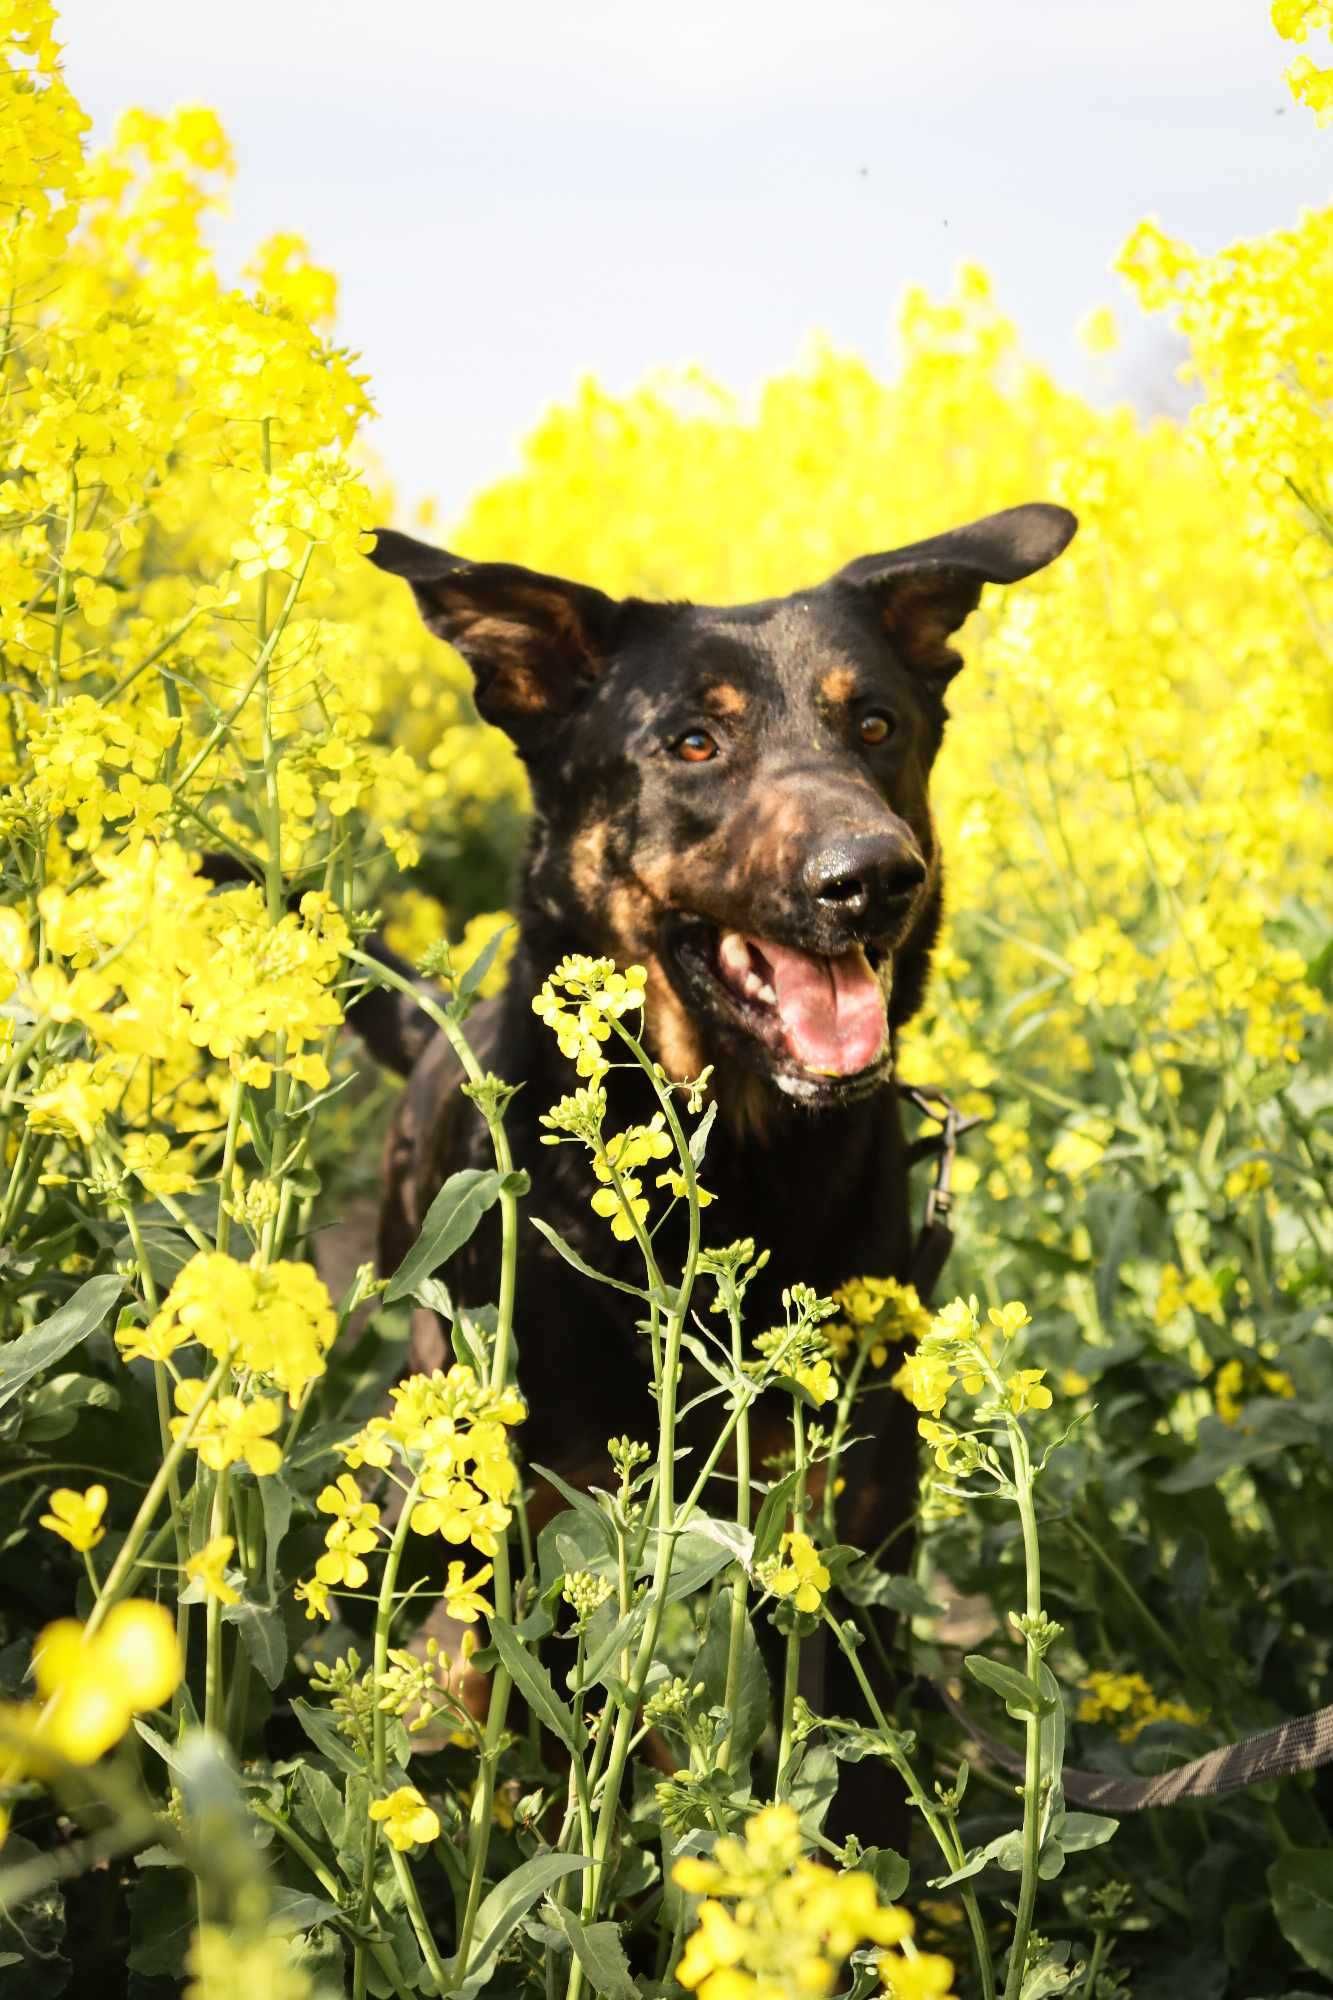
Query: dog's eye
695,747
876,728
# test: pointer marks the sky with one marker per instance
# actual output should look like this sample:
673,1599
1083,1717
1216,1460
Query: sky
517,194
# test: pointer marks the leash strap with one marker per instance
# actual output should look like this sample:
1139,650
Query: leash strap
1302,1744
934,1239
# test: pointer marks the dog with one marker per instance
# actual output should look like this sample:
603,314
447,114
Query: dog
737,799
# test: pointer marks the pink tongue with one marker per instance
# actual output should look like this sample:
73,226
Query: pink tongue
832,1009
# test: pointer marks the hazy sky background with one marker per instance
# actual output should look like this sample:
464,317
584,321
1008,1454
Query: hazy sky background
517,193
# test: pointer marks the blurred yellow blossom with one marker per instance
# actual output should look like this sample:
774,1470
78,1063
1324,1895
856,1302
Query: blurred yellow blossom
92,1687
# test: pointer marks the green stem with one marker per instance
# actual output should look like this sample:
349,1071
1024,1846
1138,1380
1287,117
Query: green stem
222,1225
792,1667
62,585
846,1403
1032,1776
214,1692
944,1833
1113,1569
740,1583
124,1564
328,1881
1095,1962
419,1925
379,1726
481,1818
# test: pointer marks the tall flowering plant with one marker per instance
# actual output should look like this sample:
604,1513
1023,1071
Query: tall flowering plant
293,1696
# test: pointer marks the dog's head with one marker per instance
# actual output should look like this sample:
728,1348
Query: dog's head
736,797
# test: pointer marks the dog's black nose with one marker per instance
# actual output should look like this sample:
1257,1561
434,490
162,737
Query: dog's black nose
864,874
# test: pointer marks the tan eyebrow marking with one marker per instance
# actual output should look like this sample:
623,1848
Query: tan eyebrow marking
838,684
725,699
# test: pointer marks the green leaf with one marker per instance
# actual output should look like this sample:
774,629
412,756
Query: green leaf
1079,1830
1052,1735
600,1952
163,1914
1270,1430
263,1635
864,1584
621,1635
1301,1885
1017,1690
277,1497
299,1910
534,1683
168,1752
773,1517
51,1410
696,1562
582,1504
571,1256
44,1345
318,1805
729,1535
501,1912
750,1718
450,1221
324,1734
891,1870
811,1778
482,963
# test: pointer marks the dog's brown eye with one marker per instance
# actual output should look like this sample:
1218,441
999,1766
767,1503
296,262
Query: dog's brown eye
876,728
695,747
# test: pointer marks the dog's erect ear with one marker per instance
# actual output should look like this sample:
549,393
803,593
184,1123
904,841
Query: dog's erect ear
925,591
534,642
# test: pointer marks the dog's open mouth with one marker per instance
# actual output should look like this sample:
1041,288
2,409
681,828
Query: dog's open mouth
821,1019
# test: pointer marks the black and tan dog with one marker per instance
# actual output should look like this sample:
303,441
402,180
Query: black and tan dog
737,799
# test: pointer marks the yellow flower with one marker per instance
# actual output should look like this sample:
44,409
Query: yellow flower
224,1964
794,1924
277,1319
580,1000
1010,1319
230,1430
1025,1390
406,1818
314,1594
1129,1702
798,1573
462,1597
209,1567
75,1101
348,1505
92,1687
927,1976
77,1516
925,1379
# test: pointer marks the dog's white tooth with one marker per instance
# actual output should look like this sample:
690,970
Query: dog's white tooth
766,994
752,985
733,956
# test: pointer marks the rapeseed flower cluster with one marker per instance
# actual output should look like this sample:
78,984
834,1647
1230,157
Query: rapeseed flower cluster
90,1685
960,1350
276,1321
1128,1702
775,1925
796,1572
448,1433
874,1314
579,1002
